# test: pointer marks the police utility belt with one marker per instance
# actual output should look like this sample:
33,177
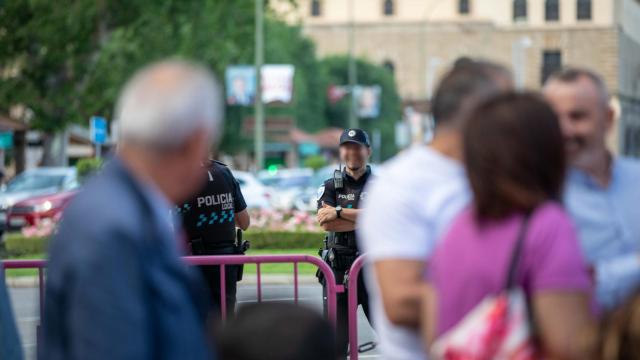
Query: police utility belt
201,246
340,250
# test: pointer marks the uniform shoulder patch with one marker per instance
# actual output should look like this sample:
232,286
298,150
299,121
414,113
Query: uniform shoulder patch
320,192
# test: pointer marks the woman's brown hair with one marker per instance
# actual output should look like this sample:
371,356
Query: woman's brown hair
514,154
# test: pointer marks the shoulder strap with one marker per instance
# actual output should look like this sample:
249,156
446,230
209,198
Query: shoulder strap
516,255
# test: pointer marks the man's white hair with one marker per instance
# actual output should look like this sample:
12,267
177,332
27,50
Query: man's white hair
167,102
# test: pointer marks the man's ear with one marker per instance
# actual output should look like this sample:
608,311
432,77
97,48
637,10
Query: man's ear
610,118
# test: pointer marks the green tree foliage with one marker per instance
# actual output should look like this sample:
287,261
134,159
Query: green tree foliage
67,60
336,70
71,57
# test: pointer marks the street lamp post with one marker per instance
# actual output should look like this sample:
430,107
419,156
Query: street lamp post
259,106
353,75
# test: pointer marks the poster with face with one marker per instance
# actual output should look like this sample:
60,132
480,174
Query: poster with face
241,85
368,101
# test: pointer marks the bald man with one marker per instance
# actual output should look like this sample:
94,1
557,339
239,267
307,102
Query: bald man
116,287
602,192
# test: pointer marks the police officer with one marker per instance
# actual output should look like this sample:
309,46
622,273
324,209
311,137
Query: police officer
338,201
210,220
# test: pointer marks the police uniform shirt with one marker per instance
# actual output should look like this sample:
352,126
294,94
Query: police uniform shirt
210,216
349,197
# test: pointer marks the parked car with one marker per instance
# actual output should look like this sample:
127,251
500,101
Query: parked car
33,183
255,193
288,185
31,211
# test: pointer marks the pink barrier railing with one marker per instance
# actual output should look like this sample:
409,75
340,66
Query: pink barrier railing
352,293
332,287
31,264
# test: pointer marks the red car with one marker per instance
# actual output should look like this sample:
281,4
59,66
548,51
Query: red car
30,211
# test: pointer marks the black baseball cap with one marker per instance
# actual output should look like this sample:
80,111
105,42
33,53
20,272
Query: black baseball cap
357,136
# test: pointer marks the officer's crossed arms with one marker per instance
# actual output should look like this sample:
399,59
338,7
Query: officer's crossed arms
328,218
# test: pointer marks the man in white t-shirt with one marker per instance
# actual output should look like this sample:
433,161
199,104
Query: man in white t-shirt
411,203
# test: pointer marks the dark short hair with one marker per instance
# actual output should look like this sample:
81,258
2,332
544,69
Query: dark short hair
279,331
573,74
468,80
514,155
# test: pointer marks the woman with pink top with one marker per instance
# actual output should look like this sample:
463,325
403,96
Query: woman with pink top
515,164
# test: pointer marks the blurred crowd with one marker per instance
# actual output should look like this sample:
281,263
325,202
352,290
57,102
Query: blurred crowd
514,234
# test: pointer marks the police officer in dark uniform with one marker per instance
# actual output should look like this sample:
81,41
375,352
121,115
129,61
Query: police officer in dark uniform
210,220
338,208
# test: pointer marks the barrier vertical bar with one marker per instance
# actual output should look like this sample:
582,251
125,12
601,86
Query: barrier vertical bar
41,290
223,293
41,298
259,282
352,295
295,282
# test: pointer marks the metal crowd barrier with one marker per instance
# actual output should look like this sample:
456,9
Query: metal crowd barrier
31,264
222,261
332,288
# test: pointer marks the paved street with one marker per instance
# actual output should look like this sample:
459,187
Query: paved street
25,305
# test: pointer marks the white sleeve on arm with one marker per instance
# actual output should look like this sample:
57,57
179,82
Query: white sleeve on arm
390,225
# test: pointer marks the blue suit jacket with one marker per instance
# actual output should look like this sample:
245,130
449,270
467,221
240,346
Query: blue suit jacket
116,287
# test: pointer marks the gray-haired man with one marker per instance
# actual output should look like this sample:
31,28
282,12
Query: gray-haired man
116,287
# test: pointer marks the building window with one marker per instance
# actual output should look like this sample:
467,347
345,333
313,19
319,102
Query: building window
519,10
552,10
583,9
315,8
551,62
464,7
388,64
388,7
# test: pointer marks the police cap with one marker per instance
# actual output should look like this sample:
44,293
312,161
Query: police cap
357,136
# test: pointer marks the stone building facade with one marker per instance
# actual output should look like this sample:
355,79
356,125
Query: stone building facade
418,39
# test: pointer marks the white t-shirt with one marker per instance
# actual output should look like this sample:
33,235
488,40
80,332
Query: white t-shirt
412,201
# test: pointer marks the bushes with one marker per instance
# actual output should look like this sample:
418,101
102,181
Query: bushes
315,162
284,239
19,245
88,166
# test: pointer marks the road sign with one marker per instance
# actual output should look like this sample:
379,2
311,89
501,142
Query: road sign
6,140
98,130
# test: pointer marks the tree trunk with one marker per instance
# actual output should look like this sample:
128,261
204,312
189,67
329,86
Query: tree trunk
54,149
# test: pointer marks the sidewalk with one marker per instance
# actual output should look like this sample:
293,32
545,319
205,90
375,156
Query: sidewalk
250,279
